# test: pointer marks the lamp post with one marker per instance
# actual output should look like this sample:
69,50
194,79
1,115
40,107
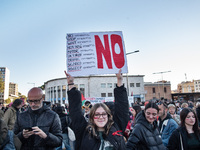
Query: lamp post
31,83
162,80
127,73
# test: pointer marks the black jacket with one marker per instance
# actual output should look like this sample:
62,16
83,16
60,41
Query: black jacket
144,135
46,120
84,141
175,142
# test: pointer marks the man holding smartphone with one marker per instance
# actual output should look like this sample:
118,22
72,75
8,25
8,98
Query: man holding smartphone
38,127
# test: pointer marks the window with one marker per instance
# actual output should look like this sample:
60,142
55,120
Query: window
109,85
103,85
103,94
131,84
154,90
137,84
109,94
165,89
82,89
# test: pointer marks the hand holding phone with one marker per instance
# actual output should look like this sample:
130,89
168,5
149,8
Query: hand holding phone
28,128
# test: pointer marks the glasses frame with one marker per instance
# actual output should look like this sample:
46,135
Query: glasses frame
97,116
34,101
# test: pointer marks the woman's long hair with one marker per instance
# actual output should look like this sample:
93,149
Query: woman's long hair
183,115
92,126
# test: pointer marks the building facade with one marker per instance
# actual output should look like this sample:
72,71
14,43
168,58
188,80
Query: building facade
13,89
5,76
94,86
197,85
186,87
157,90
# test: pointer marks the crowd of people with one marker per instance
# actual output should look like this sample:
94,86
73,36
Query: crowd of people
153,125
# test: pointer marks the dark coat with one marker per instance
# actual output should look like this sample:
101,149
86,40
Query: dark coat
47,120
144,136
174,140
84,141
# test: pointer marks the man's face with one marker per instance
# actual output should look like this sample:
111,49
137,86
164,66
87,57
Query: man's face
162,111
35,101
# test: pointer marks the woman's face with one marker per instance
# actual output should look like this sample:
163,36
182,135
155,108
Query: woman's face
190,119
151,114
100,118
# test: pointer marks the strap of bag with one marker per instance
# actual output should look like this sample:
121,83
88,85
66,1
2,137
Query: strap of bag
181,142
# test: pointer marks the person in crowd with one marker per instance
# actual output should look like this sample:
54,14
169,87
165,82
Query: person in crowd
145,135
198,112
65,121
172,112
102,131
184,105
11,114
134,110
166,124
187,136
8,141
1,111
87,107
38,128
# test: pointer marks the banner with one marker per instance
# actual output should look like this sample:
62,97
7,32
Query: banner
95,53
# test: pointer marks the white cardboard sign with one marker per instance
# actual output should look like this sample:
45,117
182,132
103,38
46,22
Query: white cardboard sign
95,53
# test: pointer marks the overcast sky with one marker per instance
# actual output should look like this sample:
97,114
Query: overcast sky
33,36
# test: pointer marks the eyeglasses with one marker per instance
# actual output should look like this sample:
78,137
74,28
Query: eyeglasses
160,103
97,116
34,101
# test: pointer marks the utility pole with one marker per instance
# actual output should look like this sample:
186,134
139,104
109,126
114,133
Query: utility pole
162,80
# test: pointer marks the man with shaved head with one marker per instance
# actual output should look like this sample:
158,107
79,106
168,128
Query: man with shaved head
38,128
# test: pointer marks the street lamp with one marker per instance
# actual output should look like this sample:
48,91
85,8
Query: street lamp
31,83
127,73
162,80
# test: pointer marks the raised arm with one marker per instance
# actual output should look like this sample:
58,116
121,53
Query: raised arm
78,123
121,115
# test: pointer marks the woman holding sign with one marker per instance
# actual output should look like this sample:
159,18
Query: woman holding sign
104,130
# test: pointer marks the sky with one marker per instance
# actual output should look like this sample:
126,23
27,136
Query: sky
166,32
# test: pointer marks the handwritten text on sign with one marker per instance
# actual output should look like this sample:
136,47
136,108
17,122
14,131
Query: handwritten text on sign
95,53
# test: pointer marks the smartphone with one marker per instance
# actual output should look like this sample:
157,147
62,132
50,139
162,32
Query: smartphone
28,128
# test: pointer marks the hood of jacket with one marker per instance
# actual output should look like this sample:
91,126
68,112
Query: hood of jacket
140,118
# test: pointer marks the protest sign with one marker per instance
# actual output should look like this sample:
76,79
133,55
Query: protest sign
95,53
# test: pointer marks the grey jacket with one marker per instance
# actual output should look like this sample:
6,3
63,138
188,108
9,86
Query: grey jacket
46,120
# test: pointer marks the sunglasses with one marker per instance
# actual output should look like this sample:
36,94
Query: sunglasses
160,103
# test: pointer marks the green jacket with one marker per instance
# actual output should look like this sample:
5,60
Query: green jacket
10,117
